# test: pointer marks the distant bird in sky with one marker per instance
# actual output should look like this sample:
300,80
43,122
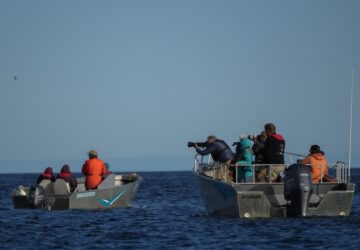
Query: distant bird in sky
15,78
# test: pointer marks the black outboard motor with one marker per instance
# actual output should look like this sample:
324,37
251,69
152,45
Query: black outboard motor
37,196
297,189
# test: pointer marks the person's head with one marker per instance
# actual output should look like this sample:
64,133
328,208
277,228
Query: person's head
66,169
49,170
242,137
92,154
315,149
245,143
211,139
269,129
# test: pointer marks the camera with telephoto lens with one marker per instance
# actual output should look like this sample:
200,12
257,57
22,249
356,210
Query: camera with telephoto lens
199,144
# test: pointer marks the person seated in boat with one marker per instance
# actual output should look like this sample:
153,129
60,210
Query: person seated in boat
93,169
243,160
274,151
317,162
218,149
68,177
48,174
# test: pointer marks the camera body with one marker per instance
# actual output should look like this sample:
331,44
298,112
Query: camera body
199,144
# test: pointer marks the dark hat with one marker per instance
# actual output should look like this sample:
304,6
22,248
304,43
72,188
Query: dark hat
48,170
65,169
315,149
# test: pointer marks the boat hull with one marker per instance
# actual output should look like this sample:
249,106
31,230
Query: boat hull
106,197
265,200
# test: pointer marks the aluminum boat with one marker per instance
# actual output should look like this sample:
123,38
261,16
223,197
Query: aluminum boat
296,195
115,191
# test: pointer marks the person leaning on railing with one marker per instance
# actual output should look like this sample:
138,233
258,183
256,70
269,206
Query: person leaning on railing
219,150
317,162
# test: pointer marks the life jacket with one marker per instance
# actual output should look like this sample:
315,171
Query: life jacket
64,175
93,169
274,149
47,175
318,166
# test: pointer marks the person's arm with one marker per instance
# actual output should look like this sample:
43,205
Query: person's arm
38,180
83,170
247,159
305,161
73,183
206,151
104,170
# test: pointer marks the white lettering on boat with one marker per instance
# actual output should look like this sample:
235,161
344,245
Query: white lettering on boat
84,195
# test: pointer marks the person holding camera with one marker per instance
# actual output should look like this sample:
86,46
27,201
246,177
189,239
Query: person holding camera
260,158
220,152
274,151
218,149
243,159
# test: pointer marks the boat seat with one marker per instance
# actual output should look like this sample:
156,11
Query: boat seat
118,180
61,187
48,186
80,187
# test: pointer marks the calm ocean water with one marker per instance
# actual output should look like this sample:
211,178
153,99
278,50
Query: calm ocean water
166,214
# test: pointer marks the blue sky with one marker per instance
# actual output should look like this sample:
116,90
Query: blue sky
138,79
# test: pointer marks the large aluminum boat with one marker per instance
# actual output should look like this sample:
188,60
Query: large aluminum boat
114,192
296,195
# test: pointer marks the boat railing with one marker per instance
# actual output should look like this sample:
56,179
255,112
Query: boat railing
338,172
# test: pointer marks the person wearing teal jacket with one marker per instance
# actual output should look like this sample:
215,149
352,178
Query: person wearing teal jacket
244,156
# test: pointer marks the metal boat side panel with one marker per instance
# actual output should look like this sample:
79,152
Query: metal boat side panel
21,202
334,203
253,204
219,198
120,196
273,191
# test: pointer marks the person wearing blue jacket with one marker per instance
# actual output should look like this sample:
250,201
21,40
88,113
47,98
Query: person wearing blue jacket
244,159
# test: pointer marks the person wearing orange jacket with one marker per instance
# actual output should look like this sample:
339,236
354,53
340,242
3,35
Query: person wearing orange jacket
317,162
93,169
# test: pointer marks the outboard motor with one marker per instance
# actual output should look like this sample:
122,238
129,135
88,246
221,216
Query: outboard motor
297,189
37,196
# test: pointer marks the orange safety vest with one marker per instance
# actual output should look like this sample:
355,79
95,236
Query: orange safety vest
93,169
318,166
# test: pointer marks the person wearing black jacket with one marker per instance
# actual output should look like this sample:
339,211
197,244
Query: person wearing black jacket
260,157
218,149
274,151
258,148
67,176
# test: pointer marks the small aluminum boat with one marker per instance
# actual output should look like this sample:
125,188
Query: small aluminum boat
296,195
114,192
